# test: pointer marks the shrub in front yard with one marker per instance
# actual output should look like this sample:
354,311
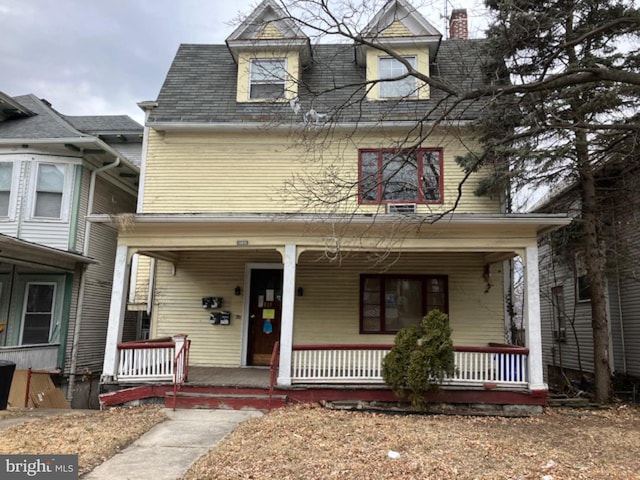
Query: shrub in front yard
422,356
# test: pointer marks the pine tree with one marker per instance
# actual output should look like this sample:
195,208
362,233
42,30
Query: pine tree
566,102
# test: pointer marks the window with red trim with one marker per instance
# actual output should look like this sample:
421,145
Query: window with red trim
391,176
389,303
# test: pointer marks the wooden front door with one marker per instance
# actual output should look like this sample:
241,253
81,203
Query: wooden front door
265,309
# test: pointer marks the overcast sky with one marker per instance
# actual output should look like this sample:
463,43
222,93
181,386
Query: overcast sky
101,57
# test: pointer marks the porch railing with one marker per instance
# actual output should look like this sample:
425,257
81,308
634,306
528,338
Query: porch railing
147,361
363,364
37,357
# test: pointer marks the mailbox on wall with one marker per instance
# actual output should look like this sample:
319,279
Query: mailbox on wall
220,318
211,302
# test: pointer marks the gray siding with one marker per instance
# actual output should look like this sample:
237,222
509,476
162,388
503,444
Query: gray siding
578,349
102,247
627,237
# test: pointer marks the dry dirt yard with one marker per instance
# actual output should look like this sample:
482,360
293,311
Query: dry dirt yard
311,443
315,443
95,436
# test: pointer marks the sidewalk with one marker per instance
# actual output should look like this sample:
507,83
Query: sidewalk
168,450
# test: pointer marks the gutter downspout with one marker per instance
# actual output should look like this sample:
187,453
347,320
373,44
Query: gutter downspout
83,277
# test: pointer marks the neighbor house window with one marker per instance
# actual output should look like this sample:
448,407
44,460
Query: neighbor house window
38,312
388,176
268,77
391,302
49,189
393,68
559,316
584,294
6,175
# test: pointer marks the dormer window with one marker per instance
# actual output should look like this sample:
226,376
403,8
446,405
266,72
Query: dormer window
389,67
268,78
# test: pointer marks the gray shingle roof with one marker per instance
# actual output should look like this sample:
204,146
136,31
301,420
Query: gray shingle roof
45,124
104,124
201,88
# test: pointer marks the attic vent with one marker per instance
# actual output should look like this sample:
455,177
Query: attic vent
401,208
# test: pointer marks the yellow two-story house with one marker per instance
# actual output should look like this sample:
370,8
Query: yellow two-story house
300,203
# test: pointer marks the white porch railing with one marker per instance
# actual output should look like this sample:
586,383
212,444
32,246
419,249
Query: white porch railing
148,361
504,366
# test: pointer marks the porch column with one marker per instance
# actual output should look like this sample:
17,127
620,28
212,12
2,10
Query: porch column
532,319
119,291
286,327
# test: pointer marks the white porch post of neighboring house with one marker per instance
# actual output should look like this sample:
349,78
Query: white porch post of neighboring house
119,292
286,328
532,319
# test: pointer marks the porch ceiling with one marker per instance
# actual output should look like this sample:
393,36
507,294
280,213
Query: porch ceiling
20,252
498,235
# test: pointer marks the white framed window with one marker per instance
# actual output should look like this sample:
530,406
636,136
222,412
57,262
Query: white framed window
267,78
38,312
6,181
49,191
389,67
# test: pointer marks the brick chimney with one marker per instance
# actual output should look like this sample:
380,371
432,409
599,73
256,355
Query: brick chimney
458,24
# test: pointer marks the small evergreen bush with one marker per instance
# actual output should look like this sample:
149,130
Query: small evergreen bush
422,356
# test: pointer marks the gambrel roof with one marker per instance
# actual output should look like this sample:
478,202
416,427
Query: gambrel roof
200,87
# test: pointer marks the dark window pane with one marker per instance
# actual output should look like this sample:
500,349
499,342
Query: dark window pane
399,177
431,175
40,298
267,90
369,175
4,203
36,328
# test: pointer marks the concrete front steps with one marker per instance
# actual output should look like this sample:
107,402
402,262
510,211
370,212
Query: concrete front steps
233,398
229,401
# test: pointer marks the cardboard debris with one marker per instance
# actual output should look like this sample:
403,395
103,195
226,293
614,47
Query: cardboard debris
42,392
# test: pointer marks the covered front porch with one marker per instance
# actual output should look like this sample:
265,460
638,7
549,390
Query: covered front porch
491,375
330,334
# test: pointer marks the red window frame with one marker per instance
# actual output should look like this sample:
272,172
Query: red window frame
379,181
425,306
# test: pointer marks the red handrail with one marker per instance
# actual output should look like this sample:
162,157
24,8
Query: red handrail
273,369
180,368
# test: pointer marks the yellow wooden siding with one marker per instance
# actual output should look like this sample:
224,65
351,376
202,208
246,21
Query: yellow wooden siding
397,29
249,172
372,59
178,302
269,32
141,280
328,311
244,64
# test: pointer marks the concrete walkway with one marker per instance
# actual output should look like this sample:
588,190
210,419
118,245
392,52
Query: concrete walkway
168,450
